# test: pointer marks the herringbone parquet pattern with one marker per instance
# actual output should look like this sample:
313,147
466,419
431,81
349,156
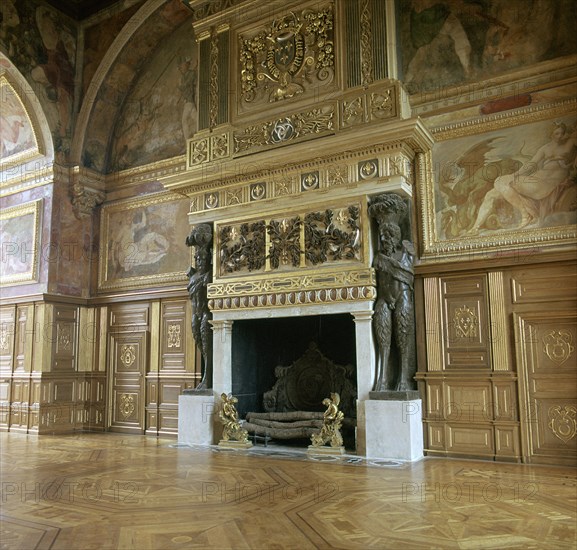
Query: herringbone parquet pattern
112,491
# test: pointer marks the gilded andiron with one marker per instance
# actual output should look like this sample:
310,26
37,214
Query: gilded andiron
228,414
332,422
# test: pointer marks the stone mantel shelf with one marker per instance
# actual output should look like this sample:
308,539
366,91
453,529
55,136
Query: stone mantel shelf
305,155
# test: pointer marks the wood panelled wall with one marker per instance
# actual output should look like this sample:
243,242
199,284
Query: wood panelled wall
61,365
497,370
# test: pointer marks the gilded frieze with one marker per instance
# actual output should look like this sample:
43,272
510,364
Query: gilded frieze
294,53
302,240
309,123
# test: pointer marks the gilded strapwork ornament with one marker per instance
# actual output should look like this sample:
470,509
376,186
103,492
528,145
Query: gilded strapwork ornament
332,421
294,53
332,235
285,244
280,131
558,345
228,415
127,405
562,422
242,247
127,355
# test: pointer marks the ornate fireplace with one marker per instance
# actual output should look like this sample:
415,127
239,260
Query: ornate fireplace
284,170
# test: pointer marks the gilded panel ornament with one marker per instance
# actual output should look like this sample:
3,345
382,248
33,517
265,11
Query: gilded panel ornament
242,247
283,187
382,104
198,151
285,244
211,201
366,43
213,79
64,337
4,337
173,336
279,131
562,421
127,355
368,169
338,174
465,322
309,181
234,196
257,191
332,235
352,112
295,51
219,146
127,405
558,345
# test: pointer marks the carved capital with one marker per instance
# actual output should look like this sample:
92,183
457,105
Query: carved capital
86,191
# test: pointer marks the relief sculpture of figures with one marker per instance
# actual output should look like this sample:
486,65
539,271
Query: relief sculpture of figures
199,277
394,314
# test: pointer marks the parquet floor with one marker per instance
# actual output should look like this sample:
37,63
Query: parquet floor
104,491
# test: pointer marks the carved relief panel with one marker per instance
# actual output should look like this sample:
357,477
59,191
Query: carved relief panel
293,55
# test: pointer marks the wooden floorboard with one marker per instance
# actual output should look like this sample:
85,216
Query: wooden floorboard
107,491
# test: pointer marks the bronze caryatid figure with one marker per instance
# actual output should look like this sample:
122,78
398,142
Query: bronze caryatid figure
394,313
201,238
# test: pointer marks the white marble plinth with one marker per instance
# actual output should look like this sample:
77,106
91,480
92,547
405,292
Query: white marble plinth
393,429
196,419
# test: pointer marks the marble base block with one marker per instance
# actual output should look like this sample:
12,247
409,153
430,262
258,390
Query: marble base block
394,429
196,419
325,450
235,444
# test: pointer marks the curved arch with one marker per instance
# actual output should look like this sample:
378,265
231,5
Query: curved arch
102,72
25,165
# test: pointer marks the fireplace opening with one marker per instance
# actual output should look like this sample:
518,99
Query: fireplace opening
320,348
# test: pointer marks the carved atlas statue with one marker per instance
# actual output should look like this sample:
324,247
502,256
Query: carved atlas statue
394,313
199,277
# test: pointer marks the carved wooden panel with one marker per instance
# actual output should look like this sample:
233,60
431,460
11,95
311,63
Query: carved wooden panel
20,346
470,440
130,315
173,336
7,328
543,285
65,345
465,323
546,344
129,354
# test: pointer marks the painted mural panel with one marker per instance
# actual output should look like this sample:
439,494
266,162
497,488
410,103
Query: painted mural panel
42,45
163,103
513,185
19,227
447,42
17,137
143,242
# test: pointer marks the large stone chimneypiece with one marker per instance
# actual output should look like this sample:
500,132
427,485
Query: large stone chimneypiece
294,248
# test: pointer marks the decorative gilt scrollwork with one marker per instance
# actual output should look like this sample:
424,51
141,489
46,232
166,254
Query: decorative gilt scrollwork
562,421
127,355
285,242
126,405
296,50
465,322
242,247
331,238
558,345
173,340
